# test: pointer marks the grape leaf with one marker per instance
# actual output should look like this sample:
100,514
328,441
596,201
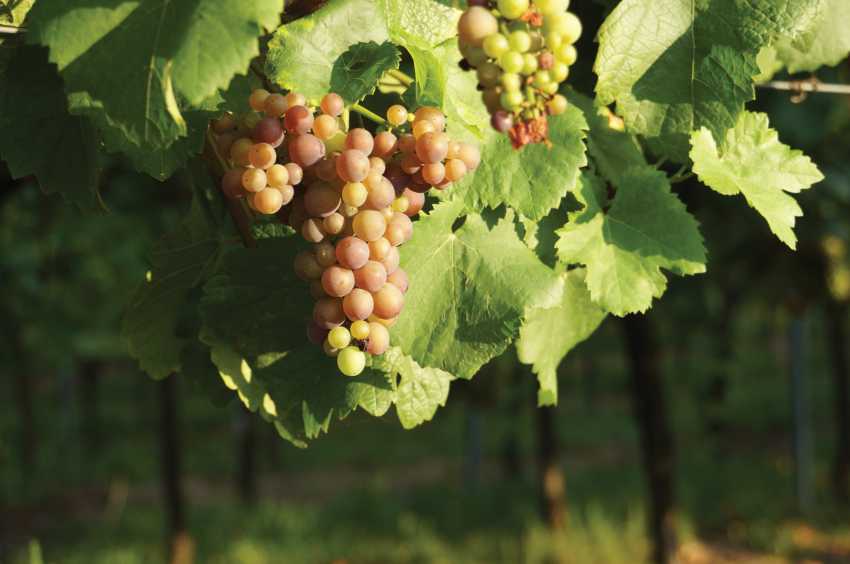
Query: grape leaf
302,53
752,161
469,289
830,42
40,137
419,390
167,54
548,334
356,72
532,180
625,247
673,66
180,263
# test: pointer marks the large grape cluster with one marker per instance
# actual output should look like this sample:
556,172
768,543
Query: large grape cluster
522,51
351,194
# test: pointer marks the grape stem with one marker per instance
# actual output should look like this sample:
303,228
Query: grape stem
404,78
369,114
681,175
11,29
812,85
237,212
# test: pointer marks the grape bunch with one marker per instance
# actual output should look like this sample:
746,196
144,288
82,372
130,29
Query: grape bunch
522,51
351,194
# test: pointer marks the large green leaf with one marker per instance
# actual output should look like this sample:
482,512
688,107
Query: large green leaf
302,54
419,390
752,161
548,334
39,136
829,40
180,263
532,180
356,72
673,66
625,247
159,54
470,287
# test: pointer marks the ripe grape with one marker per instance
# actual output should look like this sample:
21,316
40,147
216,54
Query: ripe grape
381,194
422,127
432,114
325,127
401,220
275,105
455,170
268,130
407,143
361,140
287,193
391,260
415,202
296,173
325,254
352,166
298,119
307,267
224,124
312,230
354,194
333,224
277,176
360,330
231,183
328,313
397,115
369,225
254,180
268,201
470,155
240,152
432,147
385,322
329,350
385,144
351,361
306,150
475,25
352,253
379,339
371,276
257,99
295,99
389,301
325,169
321,200
395,235
400,204
377,166
378,249
434,173
262,156
513,9
399,280
332,104
337,281
358,304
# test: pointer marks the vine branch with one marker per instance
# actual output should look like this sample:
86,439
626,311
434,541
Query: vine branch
6,29
803,87
369,114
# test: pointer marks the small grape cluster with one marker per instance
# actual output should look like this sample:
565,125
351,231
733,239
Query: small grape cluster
522,51
357,193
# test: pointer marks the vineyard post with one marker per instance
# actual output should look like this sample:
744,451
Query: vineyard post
801,410
656,437
551,483
836,314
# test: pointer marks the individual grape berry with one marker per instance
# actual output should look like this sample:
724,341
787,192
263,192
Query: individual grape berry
381,194
420,128
307,267
277,176
337,281
399,280
496,44
432,114
391,260
328,313
434,173
400,204
329,350
371,276
379,339
369,225
296,173
325,127
354,194
455,170
298,119
385,322
352,166
415,202
254,180
475,25
287,193
325,169
385,144
268,130
262,156
513,9
470,155
360,330
240,152
268,201
231,183
378,249
257,99
361,140
352,253
321,200
339,337
275,106
332,104
312,230
407,143
333,224
358,304
295,99
557,105
397,115
325,254
377,166
306,150
351,361
432,147
224,124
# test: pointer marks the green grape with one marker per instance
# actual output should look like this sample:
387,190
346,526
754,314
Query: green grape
542,78
547,7
511,100
475,56
512,9
488,74
351,361
553,40
519,41
571,28
567,54
339,337
360,330
511,82
529,64
559,72
550,88
495,45
511,61
557,105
